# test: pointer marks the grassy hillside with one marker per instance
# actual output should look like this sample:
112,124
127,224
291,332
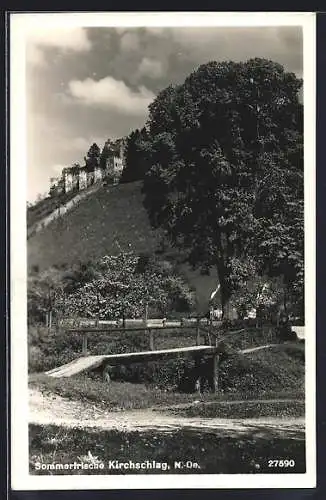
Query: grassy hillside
106,222
44,207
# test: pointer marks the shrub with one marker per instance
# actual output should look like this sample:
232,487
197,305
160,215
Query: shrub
264,371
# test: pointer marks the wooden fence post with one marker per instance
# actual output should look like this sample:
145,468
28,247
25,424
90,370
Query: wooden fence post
84,345
197,333
50,319
215,374
151,339
146,314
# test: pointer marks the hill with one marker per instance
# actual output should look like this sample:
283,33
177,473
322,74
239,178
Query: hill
108,221
44,207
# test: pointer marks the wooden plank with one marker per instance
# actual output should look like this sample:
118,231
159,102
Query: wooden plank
132,329
133,357
90,362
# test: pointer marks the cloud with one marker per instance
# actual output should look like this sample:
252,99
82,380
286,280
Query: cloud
111,93
282,44
201,44
150,67
72,39
129,42
35,56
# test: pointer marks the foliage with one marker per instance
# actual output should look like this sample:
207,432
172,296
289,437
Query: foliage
111,288
93,156
264,371
260,293
227,170
120,291
244,409
45,292
110,148
136,156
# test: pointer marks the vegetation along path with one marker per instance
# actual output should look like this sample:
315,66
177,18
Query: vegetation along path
53,409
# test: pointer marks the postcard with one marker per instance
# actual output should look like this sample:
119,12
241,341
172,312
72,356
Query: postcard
162,223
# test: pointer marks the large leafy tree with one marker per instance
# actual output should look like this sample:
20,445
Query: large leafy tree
227,170
136,156
45,293
93,156
113,287
123,286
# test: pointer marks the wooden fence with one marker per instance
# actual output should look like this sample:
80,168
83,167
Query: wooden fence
210,335
150,332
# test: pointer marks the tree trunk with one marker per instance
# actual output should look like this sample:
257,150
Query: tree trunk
285,298
225,294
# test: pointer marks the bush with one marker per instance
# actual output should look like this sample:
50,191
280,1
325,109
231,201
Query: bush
172,374
263,371
48,349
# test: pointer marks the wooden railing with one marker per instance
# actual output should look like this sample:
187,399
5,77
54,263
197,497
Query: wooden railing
210,335
149,332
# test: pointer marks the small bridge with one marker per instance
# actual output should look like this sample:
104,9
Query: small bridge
105,362
90,362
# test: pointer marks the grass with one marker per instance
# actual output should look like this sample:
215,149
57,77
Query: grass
204,453
117,395
280,368
127,396
264,374
245,409
275,374
110,219
46,206
272,371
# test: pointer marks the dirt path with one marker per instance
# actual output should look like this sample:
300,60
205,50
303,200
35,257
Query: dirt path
55,410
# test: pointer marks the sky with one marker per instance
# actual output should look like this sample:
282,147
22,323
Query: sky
86,85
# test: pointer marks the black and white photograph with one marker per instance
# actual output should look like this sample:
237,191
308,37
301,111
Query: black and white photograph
162,250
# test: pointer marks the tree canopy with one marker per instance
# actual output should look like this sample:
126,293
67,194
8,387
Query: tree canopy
93,156
136,157
226,176
111,288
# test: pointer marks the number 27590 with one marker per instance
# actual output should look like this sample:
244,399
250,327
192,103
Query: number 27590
281,463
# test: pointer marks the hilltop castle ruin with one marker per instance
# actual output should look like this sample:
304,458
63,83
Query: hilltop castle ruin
107,165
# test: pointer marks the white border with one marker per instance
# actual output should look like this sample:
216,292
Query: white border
20,24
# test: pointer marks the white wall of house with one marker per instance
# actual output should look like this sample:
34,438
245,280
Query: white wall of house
114,167
118,165
90,178
97,174
68,182
82,179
